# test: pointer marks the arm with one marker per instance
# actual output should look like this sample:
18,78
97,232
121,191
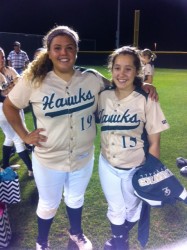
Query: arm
149,88
149,79
9,59
12,114
106,82
26,64
154,144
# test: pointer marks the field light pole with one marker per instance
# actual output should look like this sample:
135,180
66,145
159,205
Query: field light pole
136,27
118,25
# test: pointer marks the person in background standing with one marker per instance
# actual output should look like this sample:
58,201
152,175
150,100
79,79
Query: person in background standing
17,58
147,58
8,78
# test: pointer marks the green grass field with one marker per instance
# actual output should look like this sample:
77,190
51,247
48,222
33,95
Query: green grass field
168,224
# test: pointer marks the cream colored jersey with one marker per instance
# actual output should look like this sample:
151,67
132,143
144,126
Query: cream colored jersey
148,70
66,111
125,124
9,75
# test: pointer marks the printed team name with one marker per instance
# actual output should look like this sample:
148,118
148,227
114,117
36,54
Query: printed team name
9,79
150,180
50,102
125,118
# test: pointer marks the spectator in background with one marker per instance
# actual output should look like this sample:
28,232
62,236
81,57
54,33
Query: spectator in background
8,77
147,58
17,58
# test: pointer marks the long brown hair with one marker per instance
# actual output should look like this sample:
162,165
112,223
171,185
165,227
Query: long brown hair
38,68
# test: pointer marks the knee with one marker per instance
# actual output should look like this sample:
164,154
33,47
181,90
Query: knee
133,214
20,147
117,217
8,142
47,209
46,213
75,202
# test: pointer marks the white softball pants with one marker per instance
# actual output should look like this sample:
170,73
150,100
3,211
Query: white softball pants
11,137
119,192
51,184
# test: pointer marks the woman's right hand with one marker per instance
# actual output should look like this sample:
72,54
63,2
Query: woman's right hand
35,137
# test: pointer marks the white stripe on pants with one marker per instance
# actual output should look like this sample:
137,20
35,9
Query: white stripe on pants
51,183
119,192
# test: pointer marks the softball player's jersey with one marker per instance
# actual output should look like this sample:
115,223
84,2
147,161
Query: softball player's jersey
125,124
148,70
66,111
8,76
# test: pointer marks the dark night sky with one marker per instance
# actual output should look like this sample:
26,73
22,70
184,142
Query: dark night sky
161,21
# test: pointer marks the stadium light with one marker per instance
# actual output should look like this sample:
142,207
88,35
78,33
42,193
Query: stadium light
118,25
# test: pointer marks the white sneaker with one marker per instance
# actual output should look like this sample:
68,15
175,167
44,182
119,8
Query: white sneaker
183,171
15,166
81,241
44,246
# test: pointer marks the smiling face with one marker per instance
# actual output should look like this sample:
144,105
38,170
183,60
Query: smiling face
63,52
124,72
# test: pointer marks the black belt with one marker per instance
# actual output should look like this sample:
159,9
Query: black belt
126,169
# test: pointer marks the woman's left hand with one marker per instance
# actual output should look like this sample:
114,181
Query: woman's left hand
151,90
